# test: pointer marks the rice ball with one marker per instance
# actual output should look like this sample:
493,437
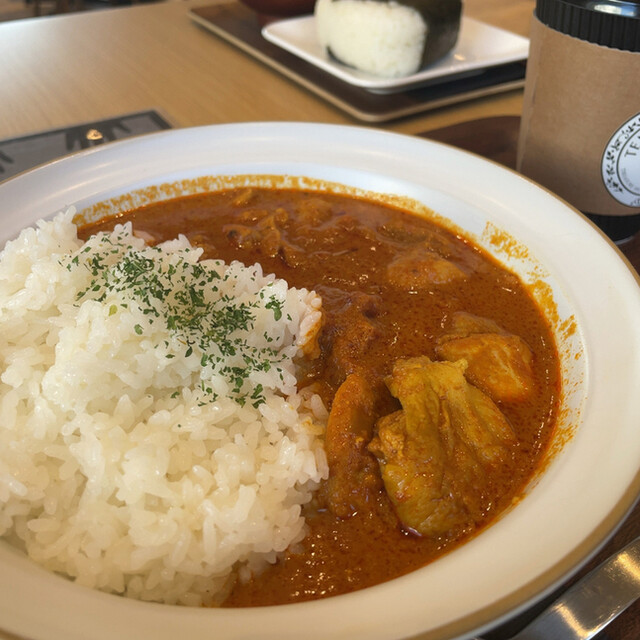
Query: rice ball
388,39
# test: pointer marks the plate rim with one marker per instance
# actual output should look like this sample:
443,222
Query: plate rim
104,159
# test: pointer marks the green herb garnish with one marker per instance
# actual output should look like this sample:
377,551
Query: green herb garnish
186,296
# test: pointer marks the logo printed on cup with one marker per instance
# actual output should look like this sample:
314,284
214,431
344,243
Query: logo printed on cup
621,163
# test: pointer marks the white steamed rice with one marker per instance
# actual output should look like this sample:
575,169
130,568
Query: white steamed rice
135,456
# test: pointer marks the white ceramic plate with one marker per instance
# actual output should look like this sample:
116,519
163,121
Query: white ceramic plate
587,486
479,47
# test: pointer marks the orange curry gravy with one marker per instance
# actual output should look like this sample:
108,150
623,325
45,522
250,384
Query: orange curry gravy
340,247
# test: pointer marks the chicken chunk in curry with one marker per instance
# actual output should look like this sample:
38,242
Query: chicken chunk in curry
421,267
354,478
436,454
499,363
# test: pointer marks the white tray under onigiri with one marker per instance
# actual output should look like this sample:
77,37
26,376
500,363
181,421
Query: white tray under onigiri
479,47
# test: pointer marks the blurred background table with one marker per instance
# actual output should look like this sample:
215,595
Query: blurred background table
67,69
64,69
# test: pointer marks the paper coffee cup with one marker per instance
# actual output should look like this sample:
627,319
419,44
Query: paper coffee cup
580,128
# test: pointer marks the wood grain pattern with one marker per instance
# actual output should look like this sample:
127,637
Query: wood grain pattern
60,70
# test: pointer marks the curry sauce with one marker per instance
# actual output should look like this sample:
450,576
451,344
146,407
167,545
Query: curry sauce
393,285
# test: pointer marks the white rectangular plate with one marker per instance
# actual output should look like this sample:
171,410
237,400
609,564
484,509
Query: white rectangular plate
479,46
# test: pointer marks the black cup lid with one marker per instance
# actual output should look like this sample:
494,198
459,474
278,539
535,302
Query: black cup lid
612,23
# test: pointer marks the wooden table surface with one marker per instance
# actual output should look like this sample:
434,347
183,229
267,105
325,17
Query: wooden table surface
63,70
